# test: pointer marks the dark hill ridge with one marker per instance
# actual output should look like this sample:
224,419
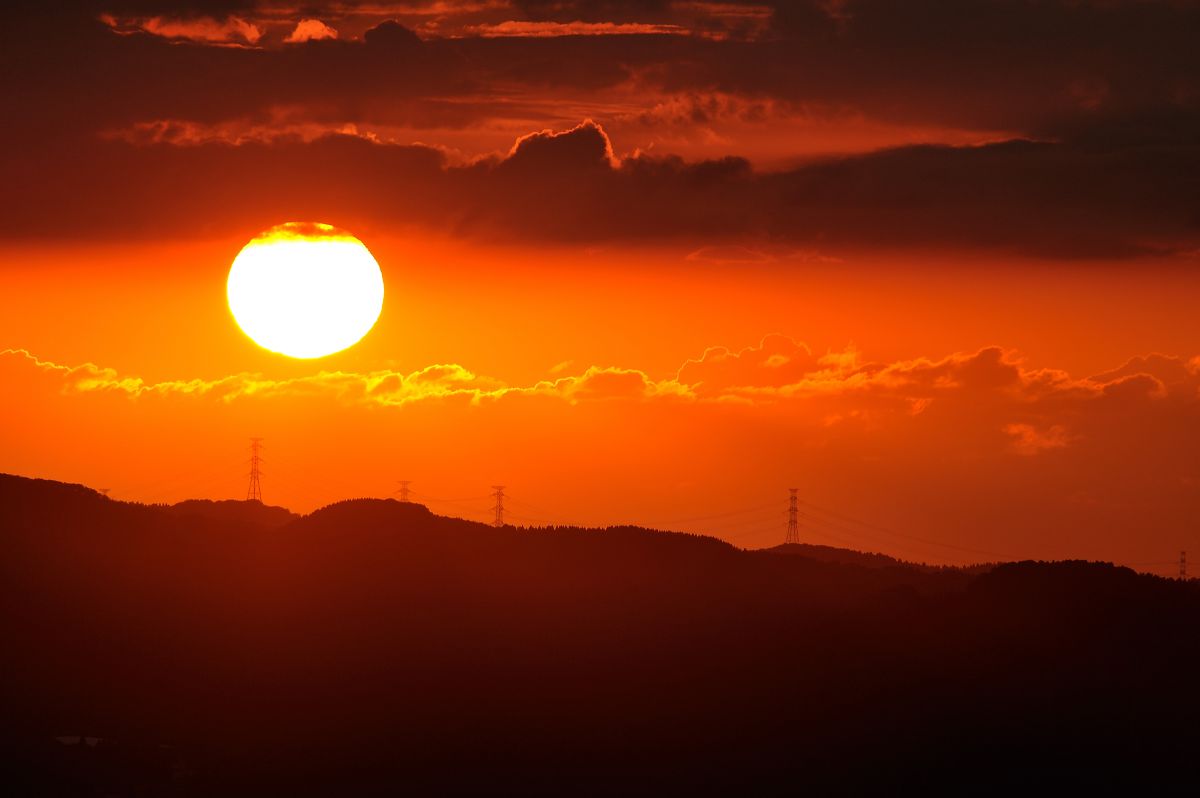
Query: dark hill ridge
373,646
842,556
831,554
253,513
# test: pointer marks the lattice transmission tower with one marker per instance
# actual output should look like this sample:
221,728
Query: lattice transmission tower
1183,565
793,527
403,491
254,491
498,507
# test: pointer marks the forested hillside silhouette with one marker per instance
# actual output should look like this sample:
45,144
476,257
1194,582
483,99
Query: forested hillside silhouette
868,559
373,647
231,511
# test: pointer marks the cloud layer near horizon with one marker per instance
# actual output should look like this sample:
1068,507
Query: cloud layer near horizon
1031,409
977,449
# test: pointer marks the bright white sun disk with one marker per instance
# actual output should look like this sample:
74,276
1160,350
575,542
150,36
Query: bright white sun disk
305,290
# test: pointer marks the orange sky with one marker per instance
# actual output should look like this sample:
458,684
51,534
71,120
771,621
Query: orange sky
795,245
1010,467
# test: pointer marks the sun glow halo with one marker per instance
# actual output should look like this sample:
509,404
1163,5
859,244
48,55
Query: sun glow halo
305,290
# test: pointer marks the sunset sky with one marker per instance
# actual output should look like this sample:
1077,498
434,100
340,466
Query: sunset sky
934,263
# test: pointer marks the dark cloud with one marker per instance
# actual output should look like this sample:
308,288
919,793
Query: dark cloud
1045,69
1057,200
391,35
548,154
1049,198
1105,95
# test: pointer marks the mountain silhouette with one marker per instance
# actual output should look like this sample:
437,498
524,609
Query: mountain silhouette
233,511
832,554
373,647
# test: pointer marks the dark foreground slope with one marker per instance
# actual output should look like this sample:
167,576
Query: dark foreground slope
374,648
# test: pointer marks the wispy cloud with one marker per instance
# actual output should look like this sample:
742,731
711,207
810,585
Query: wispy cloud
231,30
544,29
383,387
1022,410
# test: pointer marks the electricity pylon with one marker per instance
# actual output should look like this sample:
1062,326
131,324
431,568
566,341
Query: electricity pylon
254,492
793,527
498,507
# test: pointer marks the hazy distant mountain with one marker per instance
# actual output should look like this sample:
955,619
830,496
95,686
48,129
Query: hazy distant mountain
373,647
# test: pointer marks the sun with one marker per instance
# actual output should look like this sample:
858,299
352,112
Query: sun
305,289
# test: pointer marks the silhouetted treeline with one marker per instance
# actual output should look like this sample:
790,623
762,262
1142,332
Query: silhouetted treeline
374,648
831,554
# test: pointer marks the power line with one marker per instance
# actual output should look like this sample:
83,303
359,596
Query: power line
887,531
835,538
713,516
500,512
772,528
862,538
523,503
458,500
